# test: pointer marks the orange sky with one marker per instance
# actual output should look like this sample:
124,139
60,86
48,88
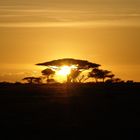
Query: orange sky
102,31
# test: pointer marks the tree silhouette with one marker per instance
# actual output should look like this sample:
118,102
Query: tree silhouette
80,65
117,80
111,76
100,74
77,67
33,80
48,73
37,80
94,74
72,77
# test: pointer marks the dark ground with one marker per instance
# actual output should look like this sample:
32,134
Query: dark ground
70,111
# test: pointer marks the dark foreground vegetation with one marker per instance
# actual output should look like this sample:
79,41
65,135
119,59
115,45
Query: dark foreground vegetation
67,110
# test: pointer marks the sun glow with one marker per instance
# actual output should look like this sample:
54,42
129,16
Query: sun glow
64,71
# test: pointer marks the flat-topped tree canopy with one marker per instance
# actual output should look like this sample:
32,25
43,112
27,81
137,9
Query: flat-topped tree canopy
81,64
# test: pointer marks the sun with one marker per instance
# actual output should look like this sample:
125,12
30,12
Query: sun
64,71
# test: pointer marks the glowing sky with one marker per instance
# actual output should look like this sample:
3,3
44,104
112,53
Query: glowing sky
103,31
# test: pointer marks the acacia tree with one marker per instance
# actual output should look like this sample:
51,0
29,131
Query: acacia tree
73,76
38,80
33,80
100,74
48,73
80,65
117,80
94,74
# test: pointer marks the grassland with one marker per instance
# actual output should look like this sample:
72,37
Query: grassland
69,109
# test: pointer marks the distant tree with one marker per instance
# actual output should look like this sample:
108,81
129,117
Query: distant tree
48,73
37,80
107,74
17,83
94,74
109,81
129,81
32,80
111,76
117,80
51,81
28,79
100,74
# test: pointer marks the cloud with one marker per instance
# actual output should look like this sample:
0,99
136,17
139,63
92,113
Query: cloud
55,17
71,24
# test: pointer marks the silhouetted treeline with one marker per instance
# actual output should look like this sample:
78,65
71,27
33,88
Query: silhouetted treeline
93,72
68,84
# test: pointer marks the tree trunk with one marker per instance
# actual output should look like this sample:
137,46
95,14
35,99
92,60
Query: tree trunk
96,80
